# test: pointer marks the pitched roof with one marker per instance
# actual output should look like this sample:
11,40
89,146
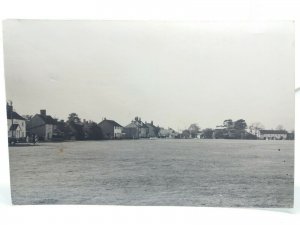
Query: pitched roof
14,126
150,125
273,131
144,125
14,115
47,119
112,122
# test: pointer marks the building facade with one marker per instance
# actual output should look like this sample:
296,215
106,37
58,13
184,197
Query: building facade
42,125
272,134
152,130
16,124
111,129
136,129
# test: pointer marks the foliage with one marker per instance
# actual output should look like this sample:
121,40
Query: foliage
256,126
207,133
185,134
194,130
240,124
74,119
92,131
228,123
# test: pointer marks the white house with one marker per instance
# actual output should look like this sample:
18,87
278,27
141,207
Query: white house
272,134
16,124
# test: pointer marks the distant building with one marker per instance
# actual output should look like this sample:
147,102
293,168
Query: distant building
152,130
272,134
42,125
291,136
167,133
136,129
16,124
111,129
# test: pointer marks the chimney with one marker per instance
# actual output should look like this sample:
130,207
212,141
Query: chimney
9,108
43,112
151,122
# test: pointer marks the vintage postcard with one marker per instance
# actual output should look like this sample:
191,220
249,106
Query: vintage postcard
150,112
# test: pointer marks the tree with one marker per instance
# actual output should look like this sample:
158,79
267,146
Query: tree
256,126
228,123
185,134
74,119
92,131
240,124
218,134
207,133
194,129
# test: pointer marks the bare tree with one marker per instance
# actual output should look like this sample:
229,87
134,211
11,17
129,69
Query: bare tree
256,126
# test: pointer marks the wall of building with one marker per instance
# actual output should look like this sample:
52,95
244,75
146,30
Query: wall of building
118,132
107,129
48,132
273,136
37,126
131,132
21,132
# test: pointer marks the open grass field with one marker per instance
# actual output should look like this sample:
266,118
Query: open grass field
233,173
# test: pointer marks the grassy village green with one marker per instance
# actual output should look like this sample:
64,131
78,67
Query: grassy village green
191,172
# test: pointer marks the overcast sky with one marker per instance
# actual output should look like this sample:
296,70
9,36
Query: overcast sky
172,73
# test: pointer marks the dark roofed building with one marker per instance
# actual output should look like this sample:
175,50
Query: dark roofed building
136,129
111,129
152,130
13,115
42,125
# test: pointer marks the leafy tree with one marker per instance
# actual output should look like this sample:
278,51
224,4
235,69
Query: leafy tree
207,133
92,131
240,124
185,134
194,130
74,119
228,123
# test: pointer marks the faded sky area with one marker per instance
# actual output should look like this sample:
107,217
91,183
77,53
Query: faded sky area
174,73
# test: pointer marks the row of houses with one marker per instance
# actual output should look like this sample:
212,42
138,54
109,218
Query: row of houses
134,130
46,128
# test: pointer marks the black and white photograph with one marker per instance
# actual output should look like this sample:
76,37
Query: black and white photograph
150,113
